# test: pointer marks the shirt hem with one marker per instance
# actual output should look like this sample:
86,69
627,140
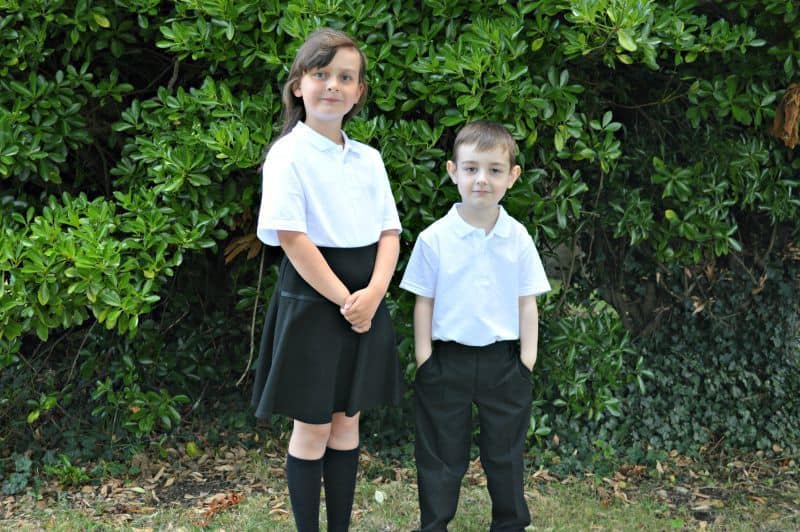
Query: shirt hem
416,289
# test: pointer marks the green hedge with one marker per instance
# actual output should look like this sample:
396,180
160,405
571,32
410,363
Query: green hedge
131,132
725,378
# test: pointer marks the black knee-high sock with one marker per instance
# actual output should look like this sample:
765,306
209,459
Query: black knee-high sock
339,473
304,478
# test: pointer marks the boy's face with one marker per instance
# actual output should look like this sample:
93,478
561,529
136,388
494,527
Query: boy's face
482,177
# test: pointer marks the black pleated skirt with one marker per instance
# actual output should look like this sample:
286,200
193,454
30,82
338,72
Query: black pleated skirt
311,363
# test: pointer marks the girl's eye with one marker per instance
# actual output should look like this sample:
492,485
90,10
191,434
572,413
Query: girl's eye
347,77
319,75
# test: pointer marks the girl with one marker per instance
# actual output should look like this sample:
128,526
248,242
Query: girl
328,347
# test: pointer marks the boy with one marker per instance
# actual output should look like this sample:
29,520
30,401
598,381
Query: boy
476,274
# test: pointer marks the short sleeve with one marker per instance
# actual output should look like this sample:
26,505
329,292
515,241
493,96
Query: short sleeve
532,277
283,203
421,270
391,220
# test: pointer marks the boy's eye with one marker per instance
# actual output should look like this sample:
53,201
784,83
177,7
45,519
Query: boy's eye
469,169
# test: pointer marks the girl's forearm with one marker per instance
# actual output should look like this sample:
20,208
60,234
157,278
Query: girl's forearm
307,259
385,261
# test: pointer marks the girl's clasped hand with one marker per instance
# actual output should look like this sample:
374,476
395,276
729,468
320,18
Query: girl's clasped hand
360,307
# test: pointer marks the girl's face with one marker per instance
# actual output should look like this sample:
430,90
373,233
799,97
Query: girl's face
329,92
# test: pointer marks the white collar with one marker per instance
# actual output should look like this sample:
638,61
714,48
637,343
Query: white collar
502,226
319,141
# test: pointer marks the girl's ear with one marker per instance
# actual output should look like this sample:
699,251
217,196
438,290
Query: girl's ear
296,89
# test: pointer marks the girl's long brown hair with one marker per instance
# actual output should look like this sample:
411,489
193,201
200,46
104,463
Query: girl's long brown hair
317,52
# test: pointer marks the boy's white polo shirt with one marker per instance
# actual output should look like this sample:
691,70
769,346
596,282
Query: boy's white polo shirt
338,195
474,278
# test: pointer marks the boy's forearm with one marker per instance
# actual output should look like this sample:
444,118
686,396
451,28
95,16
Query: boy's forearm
307,259
528,330
385,261
423,323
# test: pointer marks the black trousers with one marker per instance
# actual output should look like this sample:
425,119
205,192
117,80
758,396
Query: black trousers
456,376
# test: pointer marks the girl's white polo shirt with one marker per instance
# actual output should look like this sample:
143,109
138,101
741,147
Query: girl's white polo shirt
338,195
474,278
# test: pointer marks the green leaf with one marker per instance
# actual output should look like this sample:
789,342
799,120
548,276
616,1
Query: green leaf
11,331
607,118
451,120
110,297
625,40
42,331
767,99
742,115
788,66
625,58
199,180
101,20
43,294
558,140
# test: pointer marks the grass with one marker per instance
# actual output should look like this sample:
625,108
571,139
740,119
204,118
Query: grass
386,501
392,506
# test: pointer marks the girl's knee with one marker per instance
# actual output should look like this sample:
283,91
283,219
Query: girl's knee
309,441
344,432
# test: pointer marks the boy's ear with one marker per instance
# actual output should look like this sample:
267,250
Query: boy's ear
451,170
515,172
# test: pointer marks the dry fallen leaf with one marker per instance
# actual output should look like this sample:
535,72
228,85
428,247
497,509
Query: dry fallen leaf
159,474
217,503
544,474
787,116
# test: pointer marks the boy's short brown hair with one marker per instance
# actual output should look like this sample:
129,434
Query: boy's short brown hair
486,135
